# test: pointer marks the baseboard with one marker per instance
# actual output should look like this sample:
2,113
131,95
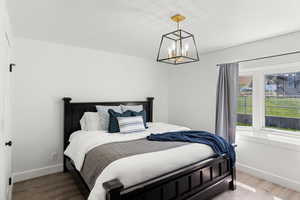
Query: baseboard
285,182
29,174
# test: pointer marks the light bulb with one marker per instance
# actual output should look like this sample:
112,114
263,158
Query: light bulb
169,52
173,46
186,49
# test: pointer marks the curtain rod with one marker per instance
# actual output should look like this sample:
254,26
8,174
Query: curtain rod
265,57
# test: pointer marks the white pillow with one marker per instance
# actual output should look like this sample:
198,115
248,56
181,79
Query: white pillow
82,123
137,108
131,124
104,116
90,121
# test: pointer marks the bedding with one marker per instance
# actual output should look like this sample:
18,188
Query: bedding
137,108
141,113
113,125
90,121
131,124
108,153
142,163
104,116
217,143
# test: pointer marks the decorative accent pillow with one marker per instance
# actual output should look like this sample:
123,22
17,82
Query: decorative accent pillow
90,121
141,113
104,116
131,124
136,108
113,126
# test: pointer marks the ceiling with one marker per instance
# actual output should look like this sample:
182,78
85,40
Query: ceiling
134,27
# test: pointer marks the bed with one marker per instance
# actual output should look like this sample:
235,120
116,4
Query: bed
196,176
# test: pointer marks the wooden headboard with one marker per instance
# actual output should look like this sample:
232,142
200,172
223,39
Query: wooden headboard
73,112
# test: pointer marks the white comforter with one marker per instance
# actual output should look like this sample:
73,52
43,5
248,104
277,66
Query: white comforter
138,168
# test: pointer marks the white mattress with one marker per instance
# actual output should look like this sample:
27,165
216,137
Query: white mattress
138,168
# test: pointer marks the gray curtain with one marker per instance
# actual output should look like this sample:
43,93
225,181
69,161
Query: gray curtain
226,107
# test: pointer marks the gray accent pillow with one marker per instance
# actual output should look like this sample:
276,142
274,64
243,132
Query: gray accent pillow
136,108
131,124
104,116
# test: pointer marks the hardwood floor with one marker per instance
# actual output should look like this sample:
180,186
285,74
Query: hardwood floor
252,188
62,187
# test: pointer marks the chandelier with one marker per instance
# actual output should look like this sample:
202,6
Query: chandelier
177,47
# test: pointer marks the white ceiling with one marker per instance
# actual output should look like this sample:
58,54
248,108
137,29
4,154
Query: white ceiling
134,27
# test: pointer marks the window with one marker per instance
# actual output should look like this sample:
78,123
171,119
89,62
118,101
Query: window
245,101
270,99
282,101
291,78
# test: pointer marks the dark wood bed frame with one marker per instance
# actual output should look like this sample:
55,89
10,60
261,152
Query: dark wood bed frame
202,180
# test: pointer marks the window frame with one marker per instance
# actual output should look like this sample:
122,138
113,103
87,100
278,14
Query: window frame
258,96
247,128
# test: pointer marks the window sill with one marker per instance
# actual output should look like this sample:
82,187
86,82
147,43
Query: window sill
269,137
273,131
285,133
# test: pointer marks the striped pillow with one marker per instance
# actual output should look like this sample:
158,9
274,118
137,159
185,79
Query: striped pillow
131,124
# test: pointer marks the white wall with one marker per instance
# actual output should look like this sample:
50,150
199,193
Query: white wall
46,72
276,159
192,97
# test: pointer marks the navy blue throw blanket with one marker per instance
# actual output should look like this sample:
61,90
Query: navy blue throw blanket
217,143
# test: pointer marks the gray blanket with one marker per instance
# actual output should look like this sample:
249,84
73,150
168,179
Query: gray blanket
100,157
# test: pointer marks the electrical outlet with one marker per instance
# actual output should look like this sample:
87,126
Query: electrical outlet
54,156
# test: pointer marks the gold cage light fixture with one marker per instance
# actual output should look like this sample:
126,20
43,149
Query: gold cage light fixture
177,47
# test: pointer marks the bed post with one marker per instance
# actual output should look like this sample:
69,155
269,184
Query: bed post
67,124
232,183
113,189
150,104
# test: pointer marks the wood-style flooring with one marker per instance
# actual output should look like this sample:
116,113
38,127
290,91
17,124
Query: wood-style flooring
62,187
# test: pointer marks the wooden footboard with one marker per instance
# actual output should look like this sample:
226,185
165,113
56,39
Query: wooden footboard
200,181
195,182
